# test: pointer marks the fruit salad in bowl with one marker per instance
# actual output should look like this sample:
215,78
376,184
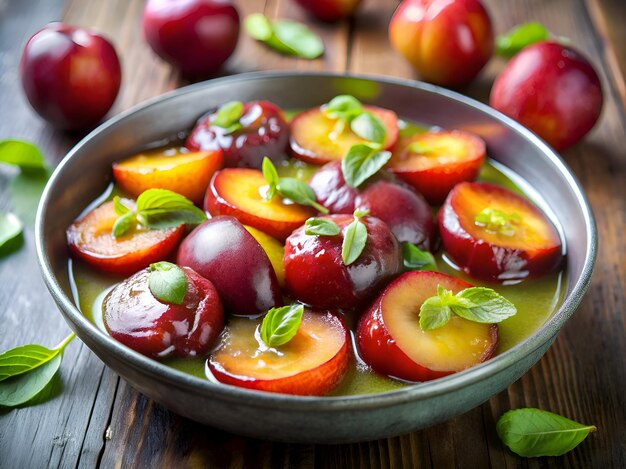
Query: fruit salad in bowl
286,253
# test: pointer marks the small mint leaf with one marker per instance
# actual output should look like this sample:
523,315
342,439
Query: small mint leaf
321,227
167,282
416,259
361,163
280,325
521,36
228,115
354,241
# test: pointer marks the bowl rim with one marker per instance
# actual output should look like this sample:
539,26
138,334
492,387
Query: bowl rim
411,393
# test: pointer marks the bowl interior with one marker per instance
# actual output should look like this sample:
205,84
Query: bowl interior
86,171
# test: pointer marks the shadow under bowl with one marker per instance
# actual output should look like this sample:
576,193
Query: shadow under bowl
86,171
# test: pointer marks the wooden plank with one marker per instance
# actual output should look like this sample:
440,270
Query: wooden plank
609,18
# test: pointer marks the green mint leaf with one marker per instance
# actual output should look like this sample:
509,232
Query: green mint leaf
160,208
519,37
167,282
416,259
24,155
258,26
485,305
286,37
497,221
26,358
361,163
24,387
228,115
280,325
343,107
366,125
419,148
299,38
123,224
321,227
119,207
271,176
354,241
10,231
533,433
299,192
434,314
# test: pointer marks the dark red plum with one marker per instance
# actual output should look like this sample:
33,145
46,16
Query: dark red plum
198,36
134,317
316,274
405,211
551,89
264,133
223,251
70,75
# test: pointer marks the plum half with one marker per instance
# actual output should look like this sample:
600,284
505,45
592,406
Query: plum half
494,234
391,341
312,363
134,317
239,192
314,139
434,162
90,238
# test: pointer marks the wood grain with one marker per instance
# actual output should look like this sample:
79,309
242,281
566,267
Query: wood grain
97,419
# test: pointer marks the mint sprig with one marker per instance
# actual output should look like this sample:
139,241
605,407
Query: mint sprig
280,325
289,188
228,116
362,162
156,209
350,113
167,282
354,238
477,304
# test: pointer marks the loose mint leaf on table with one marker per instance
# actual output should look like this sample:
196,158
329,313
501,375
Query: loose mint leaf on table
167,282
10,231
477,304
321,227
416,259
25,371
354,238
533,432
285,36
24,155
362,162
280,325
157,209
523,35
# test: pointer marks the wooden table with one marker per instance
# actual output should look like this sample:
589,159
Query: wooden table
98,419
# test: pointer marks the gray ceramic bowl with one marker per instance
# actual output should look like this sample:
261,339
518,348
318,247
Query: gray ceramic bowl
86,171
